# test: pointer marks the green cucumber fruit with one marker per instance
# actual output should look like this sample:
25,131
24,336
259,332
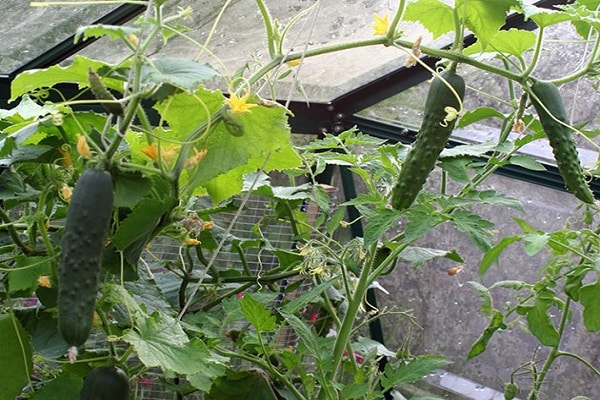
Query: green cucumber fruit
435,131
111,104
86,228
556,126
105,383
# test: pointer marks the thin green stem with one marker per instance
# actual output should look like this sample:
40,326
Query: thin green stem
268,21
263,364
554,353
14,235
582,360
392,32
536,53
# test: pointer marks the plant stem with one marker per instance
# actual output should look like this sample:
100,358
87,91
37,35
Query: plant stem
536,53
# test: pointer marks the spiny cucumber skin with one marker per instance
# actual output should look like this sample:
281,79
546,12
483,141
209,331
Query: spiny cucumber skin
430,141
560,138
86,228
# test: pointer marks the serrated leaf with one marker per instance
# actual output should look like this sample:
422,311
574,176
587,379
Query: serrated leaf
589,296
257,314
507,42
483,17
491,256
378,224
543,16
183,73
435,16
475,227
411,371
355,390
159,341
77,72
527,162
457,168
472,150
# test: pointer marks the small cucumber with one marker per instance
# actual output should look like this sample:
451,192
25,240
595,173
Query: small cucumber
435,131
556,126
105,383
111,104
86,228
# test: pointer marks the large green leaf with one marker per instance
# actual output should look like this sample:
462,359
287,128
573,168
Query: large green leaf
15,357
483,17
506,42
434,15
160,341
589,296
539,320
182,73
28,269
77,72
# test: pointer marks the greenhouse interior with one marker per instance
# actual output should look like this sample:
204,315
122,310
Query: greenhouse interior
300,199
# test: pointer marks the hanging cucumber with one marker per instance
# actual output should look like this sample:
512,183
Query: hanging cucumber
105,383
110,104
556,126
441,110
86,228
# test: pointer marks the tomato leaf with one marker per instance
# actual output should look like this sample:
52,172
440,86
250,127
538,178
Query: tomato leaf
411,371
496,323
256,313
589,296
539,320
491,256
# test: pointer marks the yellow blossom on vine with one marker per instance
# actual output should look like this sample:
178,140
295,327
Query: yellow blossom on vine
381,24
196,158
65,152
133,39
239,105
44,281
65,193
208,225
82,146
150,151
192,242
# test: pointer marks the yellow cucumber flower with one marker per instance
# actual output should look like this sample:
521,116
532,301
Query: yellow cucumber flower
239,105
381,24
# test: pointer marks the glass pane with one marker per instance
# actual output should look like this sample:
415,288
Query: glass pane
239,39
28,32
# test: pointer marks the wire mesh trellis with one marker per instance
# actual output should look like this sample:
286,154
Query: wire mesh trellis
258,220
